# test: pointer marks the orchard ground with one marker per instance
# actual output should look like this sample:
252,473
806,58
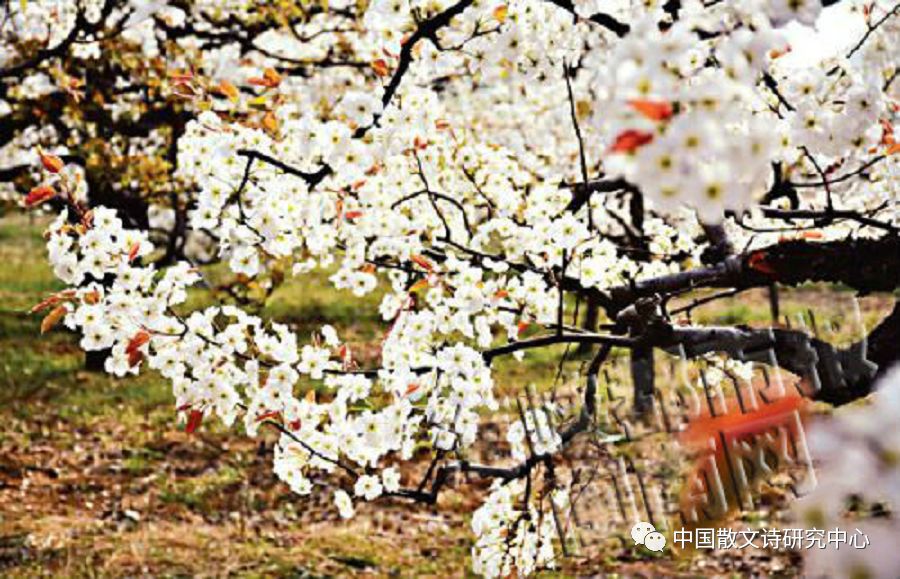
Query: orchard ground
98,478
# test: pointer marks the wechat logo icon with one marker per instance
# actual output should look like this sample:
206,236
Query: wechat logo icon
645,534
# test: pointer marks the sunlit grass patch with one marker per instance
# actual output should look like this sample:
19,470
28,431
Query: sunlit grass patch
25,275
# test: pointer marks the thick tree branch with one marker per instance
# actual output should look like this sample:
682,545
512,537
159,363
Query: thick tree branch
618,28
866,265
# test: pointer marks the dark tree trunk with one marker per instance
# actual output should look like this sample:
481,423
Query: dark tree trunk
95,360
643,376
591,319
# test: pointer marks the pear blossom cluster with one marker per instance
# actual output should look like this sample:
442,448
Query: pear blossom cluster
243,366
475,161
857,477
536,433
688,133
513,539
42,21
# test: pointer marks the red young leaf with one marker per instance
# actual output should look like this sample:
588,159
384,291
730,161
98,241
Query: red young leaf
55,315
137,341
778,53
195,418
271,75
272,415
51,162
39,194
179,76
269,79
653,110
134,358
757,261
630,140
422,262
420,285
380,66
887,133
45,303
228,90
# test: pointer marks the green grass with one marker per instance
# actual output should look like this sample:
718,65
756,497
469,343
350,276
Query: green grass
24,275
306,302
142,460
197,493
29,364
312,299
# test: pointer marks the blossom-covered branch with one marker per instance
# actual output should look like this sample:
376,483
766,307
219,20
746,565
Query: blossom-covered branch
492,167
